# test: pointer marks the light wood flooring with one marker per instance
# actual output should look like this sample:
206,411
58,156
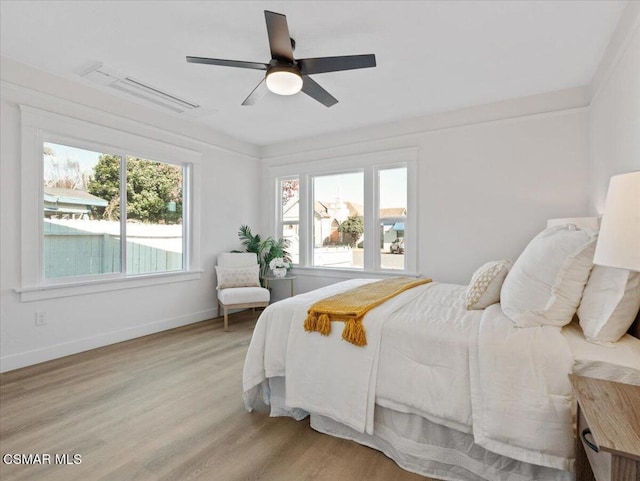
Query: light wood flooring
167,407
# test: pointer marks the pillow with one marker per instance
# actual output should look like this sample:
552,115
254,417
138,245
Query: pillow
545,284
486,283
238,276
609,304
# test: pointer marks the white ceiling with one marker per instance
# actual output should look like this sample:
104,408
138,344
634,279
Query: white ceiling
432,56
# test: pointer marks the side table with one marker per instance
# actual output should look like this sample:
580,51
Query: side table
608,437
269,279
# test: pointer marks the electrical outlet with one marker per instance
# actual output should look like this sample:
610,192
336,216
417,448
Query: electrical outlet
41,318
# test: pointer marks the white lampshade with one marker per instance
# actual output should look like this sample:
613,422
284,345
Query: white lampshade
580,222
619,240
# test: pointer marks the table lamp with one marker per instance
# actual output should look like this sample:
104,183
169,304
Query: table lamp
619,240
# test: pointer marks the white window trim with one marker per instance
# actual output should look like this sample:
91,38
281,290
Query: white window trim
280,213
40,126
370,164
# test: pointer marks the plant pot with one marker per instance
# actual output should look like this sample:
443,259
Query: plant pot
279,271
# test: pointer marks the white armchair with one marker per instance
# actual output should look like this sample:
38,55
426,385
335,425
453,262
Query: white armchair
239,284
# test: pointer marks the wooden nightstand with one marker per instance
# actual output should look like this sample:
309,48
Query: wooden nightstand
608,438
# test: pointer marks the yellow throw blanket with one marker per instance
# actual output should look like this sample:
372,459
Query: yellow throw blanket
351,306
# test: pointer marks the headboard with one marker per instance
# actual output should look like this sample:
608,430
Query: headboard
634,330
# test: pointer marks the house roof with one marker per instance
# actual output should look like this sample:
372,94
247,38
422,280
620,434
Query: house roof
321,209
72,196
355,209
393,212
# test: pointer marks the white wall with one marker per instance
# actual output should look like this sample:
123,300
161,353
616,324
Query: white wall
488,176
614,120
229,178
484,187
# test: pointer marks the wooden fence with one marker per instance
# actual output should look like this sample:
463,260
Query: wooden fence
70,252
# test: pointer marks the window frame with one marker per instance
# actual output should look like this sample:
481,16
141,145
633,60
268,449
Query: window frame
376,209
280,214
39,126
370,164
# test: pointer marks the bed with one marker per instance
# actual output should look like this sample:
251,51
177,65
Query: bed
452,393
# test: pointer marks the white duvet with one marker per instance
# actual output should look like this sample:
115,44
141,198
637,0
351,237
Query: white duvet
426,354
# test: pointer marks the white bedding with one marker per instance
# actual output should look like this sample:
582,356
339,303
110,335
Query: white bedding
619,363
520,391
436,359
424,357
328,376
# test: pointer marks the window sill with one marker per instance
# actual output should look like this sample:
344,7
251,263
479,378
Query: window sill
349,273
69,289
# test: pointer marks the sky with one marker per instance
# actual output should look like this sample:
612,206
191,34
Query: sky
349,187
85,158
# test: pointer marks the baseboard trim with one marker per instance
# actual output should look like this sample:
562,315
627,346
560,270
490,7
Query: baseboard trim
16,361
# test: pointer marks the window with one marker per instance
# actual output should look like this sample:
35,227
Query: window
338,220
76,239
392,214
84,209
289,190
352,214
105,207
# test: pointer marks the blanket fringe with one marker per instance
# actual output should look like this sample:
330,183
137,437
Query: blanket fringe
311,322
324,324
353,332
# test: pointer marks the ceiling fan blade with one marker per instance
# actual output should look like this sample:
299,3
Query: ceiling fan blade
228,63
313,90
333,64
278,32
256,94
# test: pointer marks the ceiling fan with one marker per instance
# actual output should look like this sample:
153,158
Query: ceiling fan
286,75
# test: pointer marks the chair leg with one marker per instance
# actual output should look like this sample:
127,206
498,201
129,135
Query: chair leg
226,319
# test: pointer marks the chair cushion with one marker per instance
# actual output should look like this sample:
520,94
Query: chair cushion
243,295
238,277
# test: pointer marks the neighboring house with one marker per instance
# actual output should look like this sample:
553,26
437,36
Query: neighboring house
63,203
392,224
327,216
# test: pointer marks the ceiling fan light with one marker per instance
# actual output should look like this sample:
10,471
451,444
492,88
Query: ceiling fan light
284,81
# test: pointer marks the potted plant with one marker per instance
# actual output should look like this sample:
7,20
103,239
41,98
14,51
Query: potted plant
266,249
279,266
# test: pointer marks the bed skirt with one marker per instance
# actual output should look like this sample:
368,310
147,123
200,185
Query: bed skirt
419,445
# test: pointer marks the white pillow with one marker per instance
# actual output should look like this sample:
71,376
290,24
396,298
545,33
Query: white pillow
545,284
486,283
609,304
238,276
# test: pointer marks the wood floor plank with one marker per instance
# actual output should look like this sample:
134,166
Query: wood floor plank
167,407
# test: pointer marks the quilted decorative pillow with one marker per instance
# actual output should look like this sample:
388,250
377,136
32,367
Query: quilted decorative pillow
238,276
609,304
486,283
545,284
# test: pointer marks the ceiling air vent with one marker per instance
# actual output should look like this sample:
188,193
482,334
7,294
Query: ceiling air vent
109,78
